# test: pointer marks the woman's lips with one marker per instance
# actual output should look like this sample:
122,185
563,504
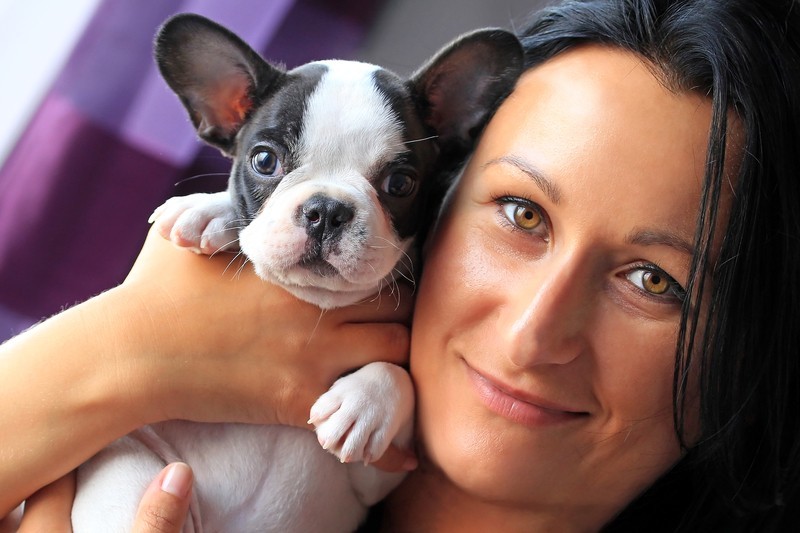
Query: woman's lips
518,406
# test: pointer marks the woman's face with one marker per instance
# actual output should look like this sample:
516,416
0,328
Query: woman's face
545,329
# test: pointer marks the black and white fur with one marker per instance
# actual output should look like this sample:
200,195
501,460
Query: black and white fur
337,168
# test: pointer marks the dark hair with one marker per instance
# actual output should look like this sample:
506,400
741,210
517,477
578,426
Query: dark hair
743,472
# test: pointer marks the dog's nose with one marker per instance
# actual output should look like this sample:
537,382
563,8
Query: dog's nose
325,217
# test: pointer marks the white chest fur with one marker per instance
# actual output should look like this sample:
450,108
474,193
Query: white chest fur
256,478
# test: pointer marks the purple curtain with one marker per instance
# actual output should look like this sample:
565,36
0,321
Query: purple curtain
110,142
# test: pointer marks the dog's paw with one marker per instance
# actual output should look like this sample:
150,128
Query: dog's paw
204,223
363,412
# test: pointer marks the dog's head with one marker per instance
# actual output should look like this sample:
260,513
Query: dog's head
337,165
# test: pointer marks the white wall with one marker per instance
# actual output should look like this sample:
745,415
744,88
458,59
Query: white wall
36,37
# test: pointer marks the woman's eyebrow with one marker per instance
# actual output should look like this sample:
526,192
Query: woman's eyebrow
649,237
640,237
547,186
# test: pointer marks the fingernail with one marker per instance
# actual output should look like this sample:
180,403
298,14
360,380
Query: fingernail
178,480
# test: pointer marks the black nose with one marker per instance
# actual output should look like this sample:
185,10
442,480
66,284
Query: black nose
325,218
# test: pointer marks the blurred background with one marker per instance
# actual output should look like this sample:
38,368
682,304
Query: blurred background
92,140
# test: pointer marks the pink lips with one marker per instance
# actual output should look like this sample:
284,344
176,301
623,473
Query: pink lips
518,406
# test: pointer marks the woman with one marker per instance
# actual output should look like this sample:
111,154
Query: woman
615,173
635,192
604,337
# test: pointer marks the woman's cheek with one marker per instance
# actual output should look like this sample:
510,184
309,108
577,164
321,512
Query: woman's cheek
454,310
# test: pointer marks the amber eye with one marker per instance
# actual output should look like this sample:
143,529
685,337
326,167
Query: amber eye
655,283
523,216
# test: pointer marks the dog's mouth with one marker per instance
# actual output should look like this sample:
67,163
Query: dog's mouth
318,266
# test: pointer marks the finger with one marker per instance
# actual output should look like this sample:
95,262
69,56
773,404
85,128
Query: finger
165,503
50,509
396,460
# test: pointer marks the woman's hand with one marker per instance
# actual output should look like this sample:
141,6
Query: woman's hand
226,346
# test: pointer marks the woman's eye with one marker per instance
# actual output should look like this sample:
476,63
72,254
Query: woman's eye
266,163
398,184
656,282
523,216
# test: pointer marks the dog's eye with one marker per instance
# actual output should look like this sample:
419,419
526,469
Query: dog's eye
398,184
265,162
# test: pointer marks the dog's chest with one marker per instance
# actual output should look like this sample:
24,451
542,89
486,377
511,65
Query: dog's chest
264,478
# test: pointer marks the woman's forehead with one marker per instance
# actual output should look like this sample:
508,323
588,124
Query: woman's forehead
597,120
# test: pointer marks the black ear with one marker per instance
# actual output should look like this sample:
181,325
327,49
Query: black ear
462,85
217,76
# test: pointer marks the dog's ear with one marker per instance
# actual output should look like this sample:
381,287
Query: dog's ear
462,85
217,76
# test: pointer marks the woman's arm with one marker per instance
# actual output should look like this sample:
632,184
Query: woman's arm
186,337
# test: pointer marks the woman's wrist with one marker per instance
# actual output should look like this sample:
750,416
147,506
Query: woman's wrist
62,404
134,349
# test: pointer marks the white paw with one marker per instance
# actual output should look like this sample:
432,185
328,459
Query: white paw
363,412
204,223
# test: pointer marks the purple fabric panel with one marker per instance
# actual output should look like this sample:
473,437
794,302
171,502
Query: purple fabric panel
113,79
74,204
105,70
12,323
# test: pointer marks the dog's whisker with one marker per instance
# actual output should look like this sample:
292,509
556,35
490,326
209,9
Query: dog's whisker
233,260
242,267
377,297
222,248
198,176
313,331
391,245
422,139
224,230
243,221
408,277
405,264
395,292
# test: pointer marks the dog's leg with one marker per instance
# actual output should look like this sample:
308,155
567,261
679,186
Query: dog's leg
364,412
359,417
204,223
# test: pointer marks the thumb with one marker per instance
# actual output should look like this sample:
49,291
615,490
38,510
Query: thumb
165,503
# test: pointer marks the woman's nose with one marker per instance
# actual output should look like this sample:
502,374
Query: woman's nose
546,318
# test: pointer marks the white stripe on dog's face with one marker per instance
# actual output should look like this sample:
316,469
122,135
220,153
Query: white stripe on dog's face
349,133
349,124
